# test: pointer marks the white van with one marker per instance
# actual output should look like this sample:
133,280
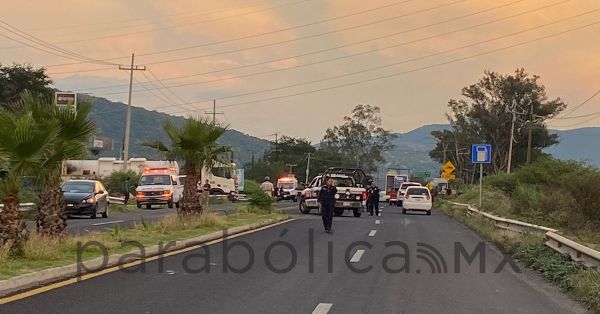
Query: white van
159,186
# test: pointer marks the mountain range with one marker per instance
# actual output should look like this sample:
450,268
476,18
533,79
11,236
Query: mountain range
147,124
411,148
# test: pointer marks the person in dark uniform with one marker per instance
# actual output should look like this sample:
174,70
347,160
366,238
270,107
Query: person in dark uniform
327,202
373,198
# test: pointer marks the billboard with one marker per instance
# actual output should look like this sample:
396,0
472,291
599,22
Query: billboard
65,100
101,143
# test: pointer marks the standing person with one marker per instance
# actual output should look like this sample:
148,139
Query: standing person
373,198
327,203
267,187
126,188
206,193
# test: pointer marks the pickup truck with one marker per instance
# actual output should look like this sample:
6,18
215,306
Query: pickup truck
351,193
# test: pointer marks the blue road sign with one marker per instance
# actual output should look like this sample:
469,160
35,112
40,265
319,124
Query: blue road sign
481,153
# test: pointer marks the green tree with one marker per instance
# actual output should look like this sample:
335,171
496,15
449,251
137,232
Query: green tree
24,146
485,113
16,79
275,161
194,143
360,140
75,128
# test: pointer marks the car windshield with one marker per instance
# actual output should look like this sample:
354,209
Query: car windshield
407,185
78,187
417,191
286,185
155,180
343,182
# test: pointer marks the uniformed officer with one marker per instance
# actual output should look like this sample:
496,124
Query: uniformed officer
373,198
327,202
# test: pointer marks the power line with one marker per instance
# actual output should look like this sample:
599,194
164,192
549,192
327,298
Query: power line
578,106
179,26
59,51
151,18
357,43
402,61
413,70
285,41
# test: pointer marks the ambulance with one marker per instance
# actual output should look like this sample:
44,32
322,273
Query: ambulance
159,185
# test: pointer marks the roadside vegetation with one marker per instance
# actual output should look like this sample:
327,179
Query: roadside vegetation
559,194
572,277
41,252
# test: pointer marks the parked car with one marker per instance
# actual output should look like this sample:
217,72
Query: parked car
85,197
402,191
417,198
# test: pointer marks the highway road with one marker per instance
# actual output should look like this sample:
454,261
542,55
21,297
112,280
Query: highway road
342,272
78,225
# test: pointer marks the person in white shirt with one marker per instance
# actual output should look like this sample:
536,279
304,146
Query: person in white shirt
267,187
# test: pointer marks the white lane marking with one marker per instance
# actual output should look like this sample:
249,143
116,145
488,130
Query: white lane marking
108,222
357,256
322,308
372,233
377,222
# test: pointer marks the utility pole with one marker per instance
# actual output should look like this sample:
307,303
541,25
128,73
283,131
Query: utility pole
307,168
128,120
512,135
214,112
530,135
291,167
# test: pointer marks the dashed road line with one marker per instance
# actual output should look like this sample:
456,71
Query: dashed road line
322,308
357,256
108,222
372,233
377,222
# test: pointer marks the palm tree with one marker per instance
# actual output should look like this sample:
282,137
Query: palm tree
75,128
195,143
24,145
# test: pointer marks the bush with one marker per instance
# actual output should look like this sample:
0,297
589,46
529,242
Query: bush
257,197
586,286
504,182
556,267
114,183
526,199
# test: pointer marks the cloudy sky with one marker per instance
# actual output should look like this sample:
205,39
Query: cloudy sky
296,67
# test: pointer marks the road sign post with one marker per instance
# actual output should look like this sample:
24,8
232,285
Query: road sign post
481,154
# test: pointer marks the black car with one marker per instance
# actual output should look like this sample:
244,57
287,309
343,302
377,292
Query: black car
85,197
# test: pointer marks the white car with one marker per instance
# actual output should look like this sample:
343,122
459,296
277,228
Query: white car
402,191
417,198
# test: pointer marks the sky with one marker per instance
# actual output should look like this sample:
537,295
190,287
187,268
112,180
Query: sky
296,67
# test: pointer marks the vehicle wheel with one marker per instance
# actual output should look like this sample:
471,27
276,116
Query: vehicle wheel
138,205
94,214
105,213
357,213
303,208
148,206
295,199
170,204
403,211
428,213
338,212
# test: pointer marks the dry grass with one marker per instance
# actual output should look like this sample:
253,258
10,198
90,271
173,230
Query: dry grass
176,223
41,248
586,286
4,252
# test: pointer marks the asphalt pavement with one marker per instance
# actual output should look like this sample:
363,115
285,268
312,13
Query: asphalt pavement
390,264
83,224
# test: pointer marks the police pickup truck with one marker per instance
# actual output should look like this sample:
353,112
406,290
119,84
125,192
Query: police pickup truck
351,192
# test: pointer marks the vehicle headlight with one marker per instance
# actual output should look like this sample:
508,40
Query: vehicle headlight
356,197
89,200
337,196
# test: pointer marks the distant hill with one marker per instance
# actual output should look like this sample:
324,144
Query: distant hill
412,148
146,124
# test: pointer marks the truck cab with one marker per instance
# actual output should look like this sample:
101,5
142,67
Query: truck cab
159,186
351,193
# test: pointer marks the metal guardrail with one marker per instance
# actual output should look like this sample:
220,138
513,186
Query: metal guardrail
24,207
578,252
